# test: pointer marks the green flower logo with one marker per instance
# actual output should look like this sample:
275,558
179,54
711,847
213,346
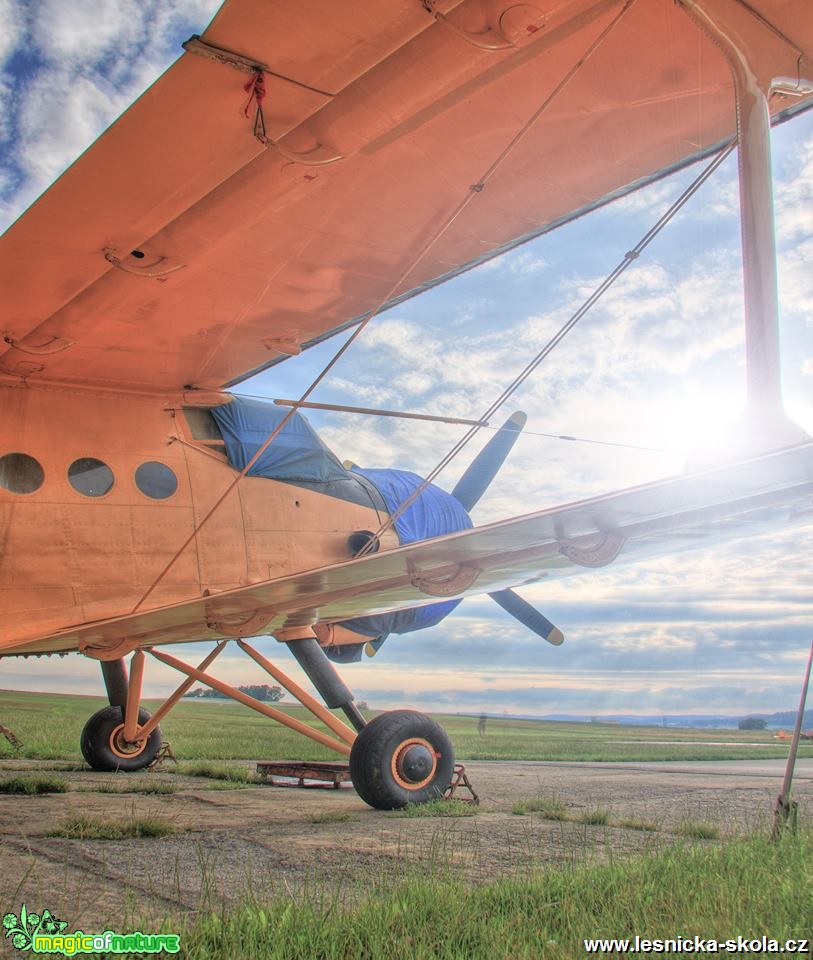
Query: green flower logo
24,928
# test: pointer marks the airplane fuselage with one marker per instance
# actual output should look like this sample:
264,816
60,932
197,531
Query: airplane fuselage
103,493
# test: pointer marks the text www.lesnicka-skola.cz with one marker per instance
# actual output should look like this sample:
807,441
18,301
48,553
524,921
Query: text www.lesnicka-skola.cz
638,944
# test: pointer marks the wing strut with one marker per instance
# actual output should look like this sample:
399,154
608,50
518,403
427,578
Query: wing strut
767,424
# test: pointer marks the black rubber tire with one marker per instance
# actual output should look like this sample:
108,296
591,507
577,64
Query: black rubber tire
95,742
371,759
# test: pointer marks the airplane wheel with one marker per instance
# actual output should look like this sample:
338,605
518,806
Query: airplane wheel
105,749
401,757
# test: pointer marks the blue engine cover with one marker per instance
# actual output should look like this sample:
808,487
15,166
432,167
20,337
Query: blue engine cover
433,514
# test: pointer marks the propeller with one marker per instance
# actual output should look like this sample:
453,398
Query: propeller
485,466
468,490
528,616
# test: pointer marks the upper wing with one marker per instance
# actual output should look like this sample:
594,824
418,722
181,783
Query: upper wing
742,500
179,249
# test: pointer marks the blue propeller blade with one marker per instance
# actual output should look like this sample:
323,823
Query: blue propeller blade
482,470
528,616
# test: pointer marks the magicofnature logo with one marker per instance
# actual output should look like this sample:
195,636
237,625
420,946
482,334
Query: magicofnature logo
44,933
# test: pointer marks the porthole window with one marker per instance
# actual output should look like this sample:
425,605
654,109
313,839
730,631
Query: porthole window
155,480
90,477
20,473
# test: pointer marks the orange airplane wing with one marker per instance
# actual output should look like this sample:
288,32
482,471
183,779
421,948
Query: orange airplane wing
199,240
743,500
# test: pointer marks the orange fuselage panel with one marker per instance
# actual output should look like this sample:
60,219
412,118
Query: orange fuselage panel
70,558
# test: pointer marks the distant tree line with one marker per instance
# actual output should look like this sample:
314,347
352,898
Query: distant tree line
260,691
752,723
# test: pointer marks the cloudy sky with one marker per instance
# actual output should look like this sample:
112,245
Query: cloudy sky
654,372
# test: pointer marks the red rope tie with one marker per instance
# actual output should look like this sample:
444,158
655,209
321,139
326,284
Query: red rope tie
255,88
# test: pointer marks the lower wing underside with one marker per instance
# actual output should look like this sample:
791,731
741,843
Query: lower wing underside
742,500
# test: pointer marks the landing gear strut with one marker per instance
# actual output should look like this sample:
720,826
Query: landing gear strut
103,743
398,758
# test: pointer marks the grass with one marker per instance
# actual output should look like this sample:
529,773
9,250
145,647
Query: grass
594,818
218,771
34,784
697,830
439,808
49,727
225,785
633,823
551,808
334,816
159,787
748,886
101,828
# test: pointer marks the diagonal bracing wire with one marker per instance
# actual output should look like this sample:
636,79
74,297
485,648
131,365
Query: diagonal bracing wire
629,257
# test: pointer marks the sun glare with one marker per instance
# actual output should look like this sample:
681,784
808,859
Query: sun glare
692,418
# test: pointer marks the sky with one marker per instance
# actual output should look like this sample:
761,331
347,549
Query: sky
655,373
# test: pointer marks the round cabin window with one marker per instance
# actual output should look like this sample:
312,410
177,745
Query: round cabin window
20,473
156,480
90,477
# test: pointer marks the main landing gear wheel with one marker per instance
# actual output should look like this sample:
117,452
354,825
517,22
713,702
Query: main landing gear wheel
105,749
401,757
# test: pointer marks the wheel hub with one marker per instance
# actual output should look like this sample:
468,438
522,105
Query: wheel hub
122,747
414,763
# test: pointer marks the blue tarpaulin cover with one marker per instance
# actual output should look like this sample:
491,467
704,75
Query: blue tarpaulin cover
296,453
433,514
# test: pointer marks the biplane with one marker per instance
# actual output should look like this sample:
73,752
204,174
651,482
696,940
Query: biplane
300,168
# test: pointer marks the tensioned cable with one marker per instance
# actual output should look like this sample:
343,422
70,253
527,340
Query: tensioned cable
555,340
603,443
471,193
525,433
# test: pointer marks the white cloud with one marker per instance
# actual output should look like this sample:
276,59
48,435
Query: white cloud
794,197
85,30
12,29
651,201
60,115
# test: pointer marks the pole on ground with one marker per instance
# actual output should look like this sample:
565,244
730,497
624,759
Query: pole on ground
784,814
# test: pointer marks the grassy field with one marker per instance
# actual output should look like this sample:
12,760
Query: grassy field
49,726
749,887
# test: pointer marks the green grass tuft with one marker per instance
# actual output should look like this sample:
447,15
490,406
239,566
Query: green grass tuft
633,823
218,771
34,784
551,808
99,828
224,785
158,787
594,818
697,830
438,808
334,816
